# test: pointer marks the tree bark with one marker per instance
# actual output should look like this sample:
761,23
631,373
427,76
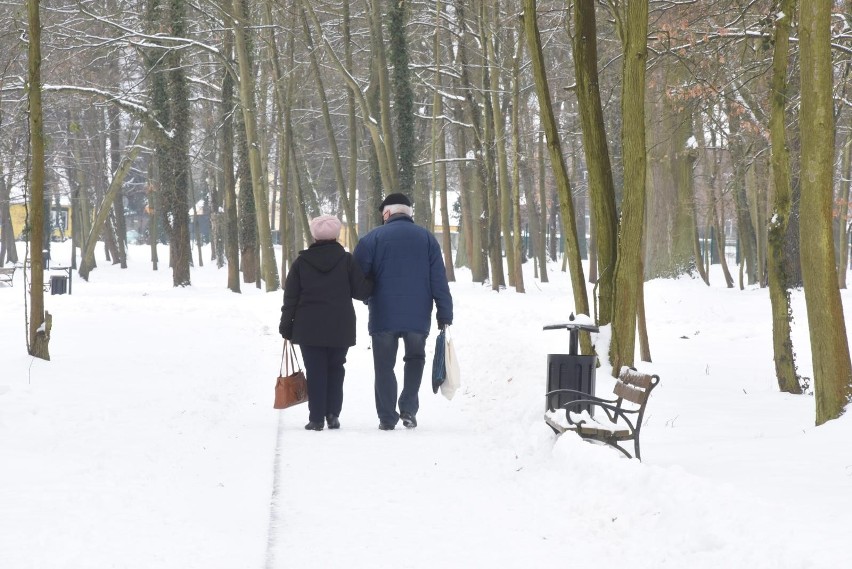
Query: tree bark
39,319
557,161
829,344
439,147
517,243
628,269
601,187
232,239
269,268
337,164
779,294
123,167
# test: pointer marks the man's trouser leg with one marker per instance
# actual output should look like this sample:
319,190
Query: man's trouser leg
415,360
385,345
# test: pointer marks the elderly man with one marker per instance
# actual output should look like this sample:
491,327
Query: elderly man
405,263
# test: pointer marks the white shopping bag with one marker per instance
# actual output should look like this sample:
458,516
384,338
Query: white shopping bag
451,362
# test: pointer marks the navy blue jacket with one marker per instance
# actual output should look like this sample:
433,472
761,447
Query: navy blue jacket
318,295
405,264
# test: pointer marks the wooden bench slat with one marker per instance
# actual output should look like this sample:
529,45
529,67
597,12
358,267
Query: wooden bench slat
630,393
633,377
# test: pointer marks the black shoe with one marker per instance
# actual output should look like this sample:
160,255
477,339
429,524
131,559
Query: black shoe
408,420
386,426
314,426
333,422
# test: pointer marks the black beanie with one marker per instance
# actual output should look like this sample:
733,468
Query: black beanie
397,198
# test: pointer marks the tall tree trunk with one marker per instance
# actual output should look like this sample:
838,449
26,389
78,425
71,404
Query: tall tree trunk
842,238
232,238
479,181
628,268
383,111
353,119
177,206
8,250
517,243
115,160
123,167
543,209
779,294
403,98
829,344
601,187
332,140
439,146
39,319
249,261
502,203
269,268
557,161
745,228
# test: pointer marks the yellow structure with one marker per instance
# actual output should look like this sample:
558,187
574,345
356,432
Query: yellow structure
60,221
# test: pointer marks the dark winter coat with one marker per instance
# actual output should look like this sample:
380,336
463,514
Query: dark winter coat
318,295
405,264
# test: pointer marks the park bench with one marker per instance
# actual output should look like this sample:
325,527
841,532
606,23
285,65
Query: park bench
7,274
623,415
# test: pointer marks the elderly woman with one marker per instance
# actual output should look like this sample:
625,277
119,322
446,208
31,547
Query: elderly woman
318,316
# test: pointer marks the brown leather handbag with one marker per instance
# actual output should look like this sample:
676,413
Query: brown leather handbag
290,388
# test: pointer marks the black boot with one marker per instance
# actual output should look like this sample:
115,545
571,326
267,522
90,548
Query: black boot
314,426
409,421
333,421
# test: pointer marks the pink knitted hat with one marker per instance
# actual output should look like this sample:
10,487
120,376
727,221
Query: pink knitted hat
325,227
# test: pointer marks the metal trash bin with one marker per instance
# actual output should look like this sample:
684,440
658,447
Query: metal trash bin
58,284
571,371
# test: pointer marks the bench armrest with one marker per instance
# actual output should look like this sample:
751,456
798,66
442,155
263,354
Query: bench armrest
612,411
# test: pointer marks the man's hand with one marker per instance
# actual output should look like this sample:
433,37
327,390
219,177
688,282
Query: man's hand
442,324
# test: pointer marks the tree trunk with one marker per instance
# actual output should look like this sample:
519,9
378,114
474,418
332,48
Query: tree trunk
8,251
337,164
628,269
353,121
557,161
745,228
88,253
842,239
383,111
439,147
601,187
479,178
779,294
502,190
829,344
115,160
543,209
403,99
232,239
517,244
268,265
39,319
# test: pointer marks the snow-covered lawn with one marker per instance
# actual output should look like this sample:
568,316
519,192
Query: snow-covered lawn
149,441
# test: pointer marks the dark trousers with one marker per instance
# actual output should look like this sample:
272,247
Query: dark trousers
385,345
324,371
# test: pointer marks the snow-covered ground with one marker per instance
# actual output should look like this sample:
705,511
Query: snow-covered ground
149,441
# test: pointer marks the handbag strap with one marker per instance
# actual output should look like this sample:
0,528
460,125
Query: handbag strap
289,362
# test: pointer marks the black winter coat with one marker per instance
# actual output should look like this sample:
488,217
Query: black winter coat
318,295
